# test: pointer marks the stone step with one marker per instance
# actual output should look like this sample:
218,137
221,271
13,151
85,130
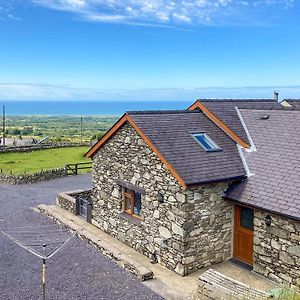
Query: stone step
214,285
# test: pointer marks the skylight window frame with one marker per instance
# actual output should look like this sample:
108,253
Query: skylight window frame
209,140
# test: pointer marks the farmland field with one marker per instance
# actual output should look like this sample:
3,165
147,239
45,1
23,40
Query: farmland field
31,162
58,128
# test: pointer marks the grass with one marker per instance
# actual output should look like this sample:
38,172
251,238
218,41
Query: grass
35,161
288,294
58,128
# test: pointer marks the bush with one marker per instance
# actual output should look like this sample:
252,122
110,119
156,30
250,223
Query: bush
27,131
15,131
97,136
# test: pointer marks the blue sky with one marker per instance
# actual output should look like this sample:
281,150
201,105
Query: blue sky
148,50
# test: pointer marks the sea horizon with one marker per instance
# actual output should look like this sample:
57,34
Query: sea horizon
86,108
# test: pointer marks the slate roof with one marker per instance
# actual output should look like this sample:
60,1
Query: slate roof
275,185
170,132
224,110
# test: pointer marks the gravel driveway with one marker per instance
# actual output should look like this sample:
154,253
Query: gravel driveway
78,271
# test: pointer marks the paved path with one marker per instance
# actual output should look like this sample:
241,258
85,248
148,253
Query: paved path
78,271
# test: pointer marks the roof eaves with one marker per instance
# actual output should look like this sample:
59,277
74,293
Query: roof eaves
225,197
225,179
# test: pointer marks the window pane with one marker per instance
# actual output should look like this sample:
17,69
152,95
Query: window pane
127,200
127,203
247,215
204,141
137,204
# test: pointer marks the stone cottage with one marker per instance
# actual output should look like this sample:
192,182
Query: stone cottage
196,187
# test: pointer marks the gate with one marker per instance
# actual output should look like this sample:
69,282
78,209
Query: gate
83,205
84,209
72,169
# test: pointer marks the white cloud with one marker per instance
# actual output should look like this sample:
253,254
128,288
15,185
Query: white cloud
165,12
14,91
153,12
6,10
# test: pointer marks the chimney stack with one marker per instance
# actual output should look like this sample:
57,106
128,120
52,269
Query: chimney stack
276,96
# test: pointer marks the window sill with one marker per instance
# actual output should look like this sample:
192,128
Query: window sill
131,219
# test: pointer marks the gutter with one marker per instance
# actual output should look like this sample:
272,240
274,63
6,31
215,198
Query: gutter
243,158
252,145
240,148
235,178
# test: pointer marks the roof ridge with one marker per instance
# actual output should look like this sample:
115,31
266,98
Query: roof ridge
237,100
161,112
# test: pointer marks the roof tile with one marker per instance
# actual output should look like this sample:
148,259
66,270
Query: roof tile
170,133
275,164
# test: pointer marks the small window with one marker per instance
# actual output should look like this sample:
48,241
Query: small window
247,216
132,203
206,142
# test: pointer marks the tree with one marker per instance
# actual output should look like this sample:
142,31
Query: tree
16,131
27,130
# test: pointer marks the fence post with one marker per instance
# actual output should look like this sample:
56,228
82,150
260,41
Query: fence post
76,171
66,171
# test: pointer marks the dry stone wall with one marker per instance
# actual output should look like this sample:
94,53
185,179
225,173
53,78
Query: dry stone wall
40,147
277,249
67,200
169,229
32,178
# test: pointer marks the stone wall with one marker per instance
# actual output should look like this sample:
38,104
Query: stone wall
85,194
40,147
67,200
169,229
32,178
209,225
277,248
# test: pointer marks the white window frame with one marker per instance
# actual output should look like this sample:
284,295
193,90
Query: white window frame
213,144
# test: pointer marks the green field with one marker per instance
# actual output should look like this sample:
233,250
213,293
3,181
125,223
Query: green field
58,128
35,161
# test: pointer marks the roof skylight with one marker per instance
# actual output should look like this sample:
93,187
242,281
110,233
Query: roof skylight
206,142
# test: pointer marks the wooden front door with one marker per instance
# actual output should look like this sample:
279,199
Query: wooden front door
243,234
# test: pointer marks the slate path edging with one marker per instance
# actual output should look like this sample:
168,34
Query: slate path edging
142,272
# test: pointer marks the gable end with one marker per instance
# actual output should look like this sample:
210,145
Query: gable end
114,129
218,122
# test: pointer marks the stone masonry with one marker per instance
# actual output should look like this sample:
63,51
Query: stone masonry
67,200
32,178
189,230
210,226
277,249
